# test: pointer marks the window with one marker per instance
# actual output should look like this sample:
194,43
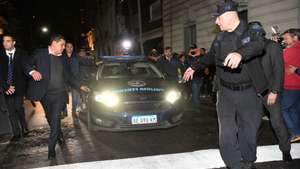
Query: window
190,36
155,11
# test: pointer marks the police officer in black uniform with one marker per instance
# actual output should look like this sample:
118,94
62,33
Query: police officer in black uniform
273,66
241,82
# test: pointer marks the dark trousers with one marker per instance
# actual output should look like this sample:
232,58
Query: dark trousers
239,117
16,112
196,90
53,104
290,106
207,86
278,124
76,100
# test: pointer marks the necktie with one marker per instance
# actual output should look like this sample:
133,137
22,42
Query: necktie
10,69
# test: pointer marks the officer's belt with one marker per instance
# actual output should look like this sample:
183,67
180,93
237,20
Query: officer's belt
236,86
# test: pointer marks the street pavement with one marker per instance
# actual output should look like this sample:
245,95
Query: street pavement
193,143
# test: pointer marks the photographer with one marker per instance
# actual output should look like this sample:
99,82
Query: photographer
153,56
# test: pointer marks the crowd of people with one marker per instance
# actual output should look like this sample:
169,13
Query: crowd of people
248,72
173,65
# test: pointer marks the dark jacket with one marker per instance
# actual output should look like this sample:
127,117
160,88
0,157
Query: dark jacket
273,65
40,62
250,50
199,73
169,68
19,78
72,64
86,66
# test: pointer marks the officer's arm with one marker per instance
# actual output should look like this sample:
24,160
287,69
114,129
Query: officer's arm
208,59
276,55
251,49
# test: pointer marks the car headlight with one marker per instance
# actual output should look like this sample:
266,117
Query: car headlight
172,96
107,98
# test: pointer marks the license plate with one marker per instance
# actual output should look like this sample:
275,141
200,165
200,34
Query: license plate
150,119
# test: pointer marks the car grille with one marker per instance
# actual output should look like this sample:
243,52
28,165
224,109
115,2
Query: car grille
142,97
143,102
143,106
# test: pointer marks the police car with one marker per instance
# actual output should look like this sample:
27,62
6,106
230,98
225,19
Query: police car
129,93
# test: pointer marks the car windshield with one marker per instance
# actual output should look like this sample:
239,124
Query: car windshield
129,70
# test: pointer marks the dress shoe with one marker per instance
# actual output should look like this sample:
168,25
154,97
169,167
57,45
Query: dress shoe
51,155
25,132
15,138
287,157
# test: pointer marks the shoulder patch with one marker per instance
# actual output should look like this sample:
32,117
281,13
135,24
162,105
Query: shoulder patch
246,40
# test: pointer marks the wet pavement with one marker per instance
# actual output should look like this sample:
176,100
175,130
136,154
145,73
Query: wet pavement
197,132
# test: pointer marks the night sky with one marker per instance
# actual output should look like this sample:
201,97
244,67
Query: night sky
60,16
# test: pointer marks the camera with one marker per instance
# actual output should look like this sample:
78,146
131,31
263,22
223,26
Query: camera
277,36
193,48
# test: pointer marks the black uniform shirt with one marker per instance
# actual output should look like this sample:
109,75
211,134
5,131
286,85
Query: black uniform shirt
230,43
225,43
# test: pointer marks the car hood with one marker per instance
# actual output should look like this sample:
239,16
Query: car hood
142,84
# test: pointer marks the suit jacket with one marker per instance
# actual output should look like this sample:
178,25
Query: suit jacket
273,65
40,61
19,78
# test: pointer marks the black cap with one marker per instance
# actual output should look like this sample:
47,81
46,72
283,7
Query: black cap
225,6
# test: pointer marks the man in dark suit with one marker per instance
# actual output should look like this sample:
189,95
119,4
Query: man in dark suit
14,85
273,66
48,85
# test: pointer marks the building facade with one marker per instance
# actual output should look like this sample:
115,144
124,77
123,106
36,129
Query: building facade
187,22
152,26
